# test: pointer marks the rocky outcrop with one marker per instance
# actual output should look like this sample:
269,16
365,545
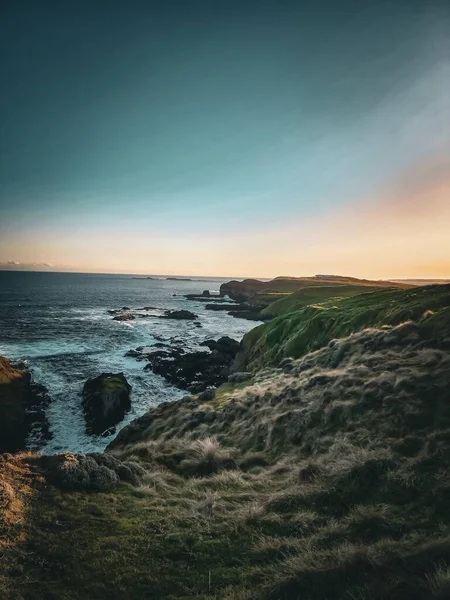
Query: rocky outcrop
124,317
195,371
206,298
241,290
242,310
95,472
181,315
106,399
224,306
22,408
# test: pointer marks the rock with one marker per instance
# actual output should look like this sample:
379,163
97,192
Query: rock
106,399
225,345
179,314
239,377
95,472
23,405
127,317
225,306
195,371
206,297
133,353
208,394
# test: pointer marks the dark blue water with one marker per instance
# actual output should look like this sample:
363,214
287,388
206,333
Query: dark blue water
58,323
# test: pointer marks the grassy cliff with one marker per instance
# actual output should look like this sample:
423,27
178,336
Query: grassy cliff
324,478
303,328
313,295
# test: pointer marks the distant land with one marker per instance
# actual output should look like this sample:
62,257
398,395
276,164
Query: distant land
421,281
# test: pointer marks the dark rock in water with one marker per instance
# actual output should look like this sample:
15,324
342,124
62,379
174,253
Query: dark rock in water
251,315
203,297
23,405
225,345
178,279
133,353
195,371
127,317
106,399
242,310
223,306
179,314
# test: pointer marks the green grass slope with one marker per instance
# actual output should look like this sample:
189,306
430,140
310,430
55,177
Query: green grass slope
326,478
295,333
313,295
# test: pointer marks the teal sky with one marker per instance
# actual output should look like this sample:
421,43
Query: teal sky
185,120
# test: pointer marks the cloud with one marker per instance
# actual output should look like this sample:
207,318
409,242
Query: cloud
15,265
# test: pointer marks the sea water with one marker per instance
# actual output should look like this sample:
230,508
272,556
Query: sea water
58,323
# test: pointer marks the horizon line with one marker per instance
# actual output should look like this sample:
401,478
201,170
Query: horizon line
199,277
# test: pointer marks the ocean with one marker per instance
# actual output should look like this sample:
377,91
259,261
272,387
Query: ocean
58,324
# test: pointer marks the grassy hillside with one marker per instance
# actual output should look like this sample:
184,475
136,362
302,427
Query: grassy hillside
326,478
312,295
293,334
260,292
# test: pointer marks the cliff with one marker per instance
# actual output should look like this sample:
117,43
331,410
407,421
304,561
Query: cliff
14,388
313,325
248,289
22,407
322,476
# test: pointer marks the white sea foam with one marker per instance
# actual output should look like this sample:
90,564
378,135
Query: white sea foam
70,337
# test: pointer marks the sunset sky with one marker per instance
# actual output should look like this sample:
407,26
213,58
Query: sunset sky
234,138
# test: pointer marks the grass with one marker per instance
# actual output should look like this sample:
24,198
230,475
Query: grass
293,334
312,295
327,479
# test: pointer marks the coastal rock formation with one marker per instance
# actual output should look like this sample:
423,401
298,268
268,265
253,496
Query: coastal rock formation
242,310
106,399
195,371
182,315
124,317
206,298
22,408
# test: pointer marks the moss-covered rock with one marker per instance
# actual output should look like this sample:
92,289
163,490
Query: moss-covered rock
22,407
106,399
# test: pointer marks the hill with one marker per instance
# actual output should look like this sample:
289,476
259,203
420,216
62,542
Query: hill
324,476
294,333
262,293
312,295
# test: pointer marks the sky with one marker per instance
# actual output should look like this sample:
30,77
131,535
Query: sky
224,137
